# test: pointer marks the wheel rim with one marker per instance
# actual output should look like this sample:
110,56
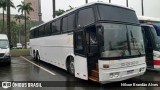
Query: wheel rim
71,67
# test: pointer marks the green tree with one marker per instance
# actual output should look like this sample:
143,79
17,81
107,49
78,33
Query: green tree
19,18
25,8
3,5
70,8
59,12
14,32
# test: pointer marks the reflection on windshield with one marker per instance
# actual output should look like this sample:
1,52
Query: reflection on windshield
136,40
115,40
3,44
118,41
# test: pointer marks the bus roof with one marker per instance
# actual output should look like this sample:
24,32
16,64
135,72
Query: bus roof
148,18
89,4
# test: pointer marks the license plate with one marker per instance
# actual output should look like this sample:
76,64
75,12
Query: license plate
130,71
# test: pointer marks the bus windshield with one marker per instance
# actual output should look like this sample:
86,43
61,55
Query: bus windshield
122,40
3,44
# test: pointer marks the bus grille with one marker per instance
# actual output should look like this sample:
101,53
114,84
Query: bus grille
1,54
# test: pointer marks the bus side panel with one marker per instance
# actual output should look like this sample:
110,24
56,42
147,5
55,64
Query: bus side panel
54,49
81,70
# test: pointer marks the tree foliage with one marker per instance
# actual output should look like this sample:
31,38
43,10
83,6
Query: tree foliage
61,11
25,8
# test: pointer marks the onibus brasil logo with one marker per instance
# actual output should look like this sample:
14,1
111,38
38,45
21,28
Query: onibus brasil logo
7,84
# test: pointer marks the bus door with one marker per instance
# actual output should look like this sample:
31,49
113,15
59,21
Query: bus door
148,39
91,49
80,61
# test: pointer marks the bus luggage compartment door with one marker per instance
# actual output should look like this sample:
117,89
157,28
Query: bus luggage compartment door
81,70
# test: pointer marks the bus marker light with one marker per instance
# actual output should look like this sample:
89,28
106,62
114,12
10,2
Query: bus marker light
84,75
105,66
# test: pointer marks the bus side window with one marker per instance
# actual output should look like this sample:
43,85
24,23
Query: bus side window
47,29
85,17
79,48
56,26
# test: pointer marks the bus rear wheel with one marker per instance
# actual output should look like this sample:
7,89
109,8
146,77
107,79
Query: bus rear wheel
37,56
70,65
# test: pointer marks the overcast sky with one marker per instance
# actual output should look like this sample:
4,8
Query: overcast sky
151,7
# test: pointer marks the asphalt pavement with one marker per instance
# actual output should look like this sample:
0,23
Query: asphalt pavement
25,69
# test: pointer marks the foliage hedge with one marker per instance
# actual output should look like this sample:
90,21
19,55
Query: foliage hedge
20,52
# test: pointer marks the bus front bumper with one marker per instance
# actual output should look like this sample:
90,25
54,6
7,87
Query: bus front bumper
120,74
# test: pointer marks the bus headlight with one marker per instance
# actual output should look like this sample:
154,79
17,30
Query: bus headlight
114,75
142,69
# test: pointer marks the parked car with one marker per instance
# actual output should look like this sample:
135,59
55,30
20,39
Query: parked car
19,45
5,55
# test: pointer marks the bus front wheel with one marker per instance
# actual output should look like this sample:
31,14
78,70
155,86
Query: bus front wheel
70,65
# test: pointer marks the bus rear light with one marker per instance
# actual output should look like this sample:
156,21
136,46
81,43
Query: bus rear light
156,62
105,66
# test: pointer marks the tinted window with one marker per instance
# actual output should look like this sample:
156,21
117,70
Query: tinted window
68,23
85,17
71,22
41,31
64,25
47,28
32,34
36,32
79,42
56,26
113,13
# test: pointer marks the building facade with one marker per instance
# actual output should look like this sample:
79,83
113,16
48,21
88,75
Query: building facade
33,14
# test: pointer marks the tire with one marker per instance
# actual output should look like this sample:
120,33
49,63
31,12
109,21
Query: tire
34,55
70,65
8,63
37,56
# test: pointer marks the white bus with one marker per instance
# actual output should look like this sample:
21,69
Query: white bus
98,42
151,32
